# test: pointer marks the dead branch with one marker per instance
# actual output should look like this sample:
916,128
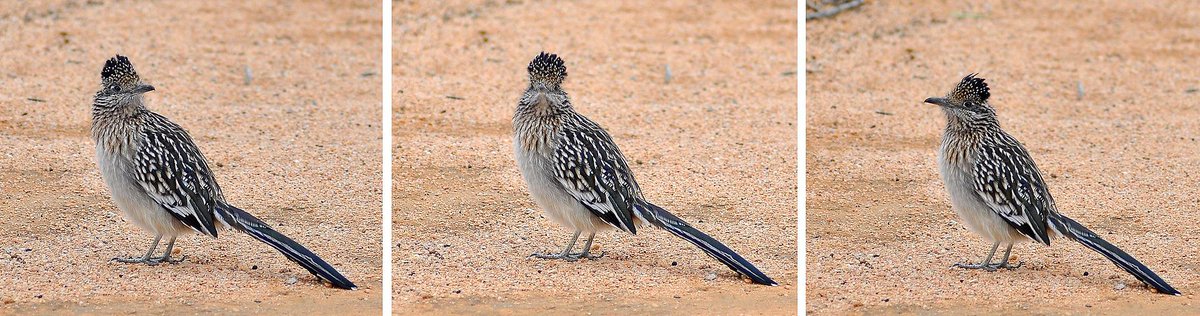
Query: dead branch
832,11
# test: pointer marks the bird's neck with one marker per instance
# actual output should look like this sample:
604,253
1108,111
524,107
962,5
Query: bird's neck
118,119
120,109
962,123
964,135
539,118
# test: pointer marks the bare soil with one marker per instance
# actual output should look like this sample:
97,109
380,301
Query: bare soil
297,145
1103,95
715,145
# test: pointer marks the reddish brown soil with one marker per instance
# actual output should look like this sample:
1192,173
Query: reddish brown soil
1121,157
298,146
716,146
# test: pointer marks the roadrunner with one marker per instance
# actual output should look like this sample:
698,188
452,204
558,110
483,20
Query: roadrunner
577,175
998,191
162,182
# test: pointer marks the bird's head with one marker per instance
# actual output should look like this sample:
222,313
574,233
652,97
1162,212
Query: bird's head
967,101
547,72
545,95
119,81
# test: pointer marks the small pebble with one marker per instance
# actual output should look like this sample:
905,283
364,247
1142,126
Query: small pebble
1119,286
291,280
711,276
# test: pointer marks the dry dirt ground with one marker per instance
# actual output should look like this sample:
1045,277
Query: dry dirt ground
716,146
1103,95
298,146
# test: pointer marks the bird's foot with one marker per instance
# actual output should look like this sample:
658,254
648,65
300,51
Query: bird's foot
146,260
586,255
168,259
990,267
570,257
150,261
1005,265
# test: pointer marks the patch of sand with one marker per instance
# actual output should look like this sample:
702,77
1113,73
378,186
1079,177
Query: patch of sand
298,146
716,146
1120,158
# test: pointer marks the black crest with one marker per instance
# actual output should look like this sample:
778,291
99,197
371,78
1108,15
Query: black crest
118,70
971,89
548,69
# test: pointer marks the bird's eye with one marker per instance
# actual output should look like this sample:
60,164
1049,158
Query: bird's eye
116,88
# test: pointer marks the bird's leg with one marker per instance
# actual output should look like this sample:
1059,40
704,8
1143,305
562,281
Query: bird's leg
587,246
166,257
1004,263
144,259
986,265
566,253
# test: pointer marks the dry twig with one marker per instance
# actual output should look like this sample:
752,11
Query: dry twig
831,11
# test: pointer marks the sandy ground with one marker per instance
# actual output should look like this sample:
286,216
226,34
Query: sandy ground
297,146
716,145
1120,157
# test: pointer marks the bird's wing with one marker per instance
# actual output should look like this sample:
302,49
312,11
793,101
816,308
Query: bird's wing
1011,185
592,169
172,171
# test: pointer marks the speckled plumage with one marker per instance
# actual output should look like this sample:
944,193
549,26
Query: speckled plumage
547,68
142,152
161,181
998,191
975,152
579,177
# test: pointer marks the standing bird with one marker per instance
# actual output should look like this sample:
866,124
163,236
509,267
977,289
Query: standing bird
579,177
998,191
162,182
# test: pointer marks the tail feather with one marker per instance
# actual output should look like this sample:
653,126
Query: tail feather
1075,231
247,223
665,220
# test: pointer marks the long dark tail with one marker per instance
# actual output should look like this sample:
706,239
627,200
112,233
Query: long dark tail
1075,231
246,223
665,220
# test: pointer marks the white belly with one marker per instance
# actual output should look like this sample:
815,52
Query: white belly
974,214
558,204
135,205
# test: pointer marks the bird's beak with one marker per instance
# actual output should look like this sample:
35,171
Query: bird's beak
143,88
938,101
